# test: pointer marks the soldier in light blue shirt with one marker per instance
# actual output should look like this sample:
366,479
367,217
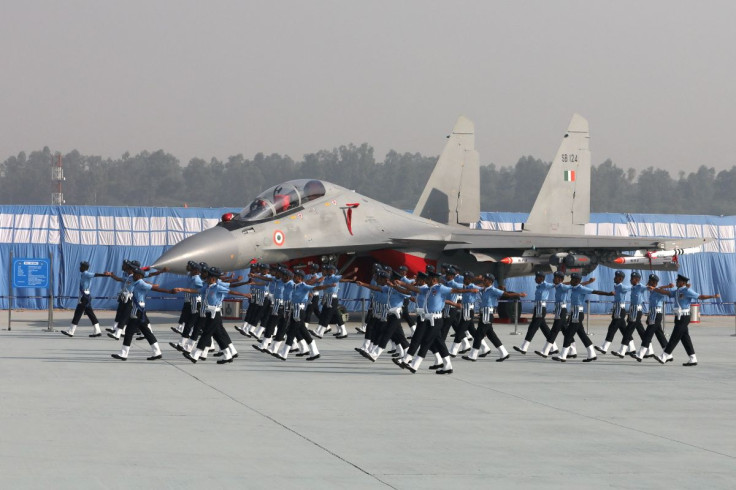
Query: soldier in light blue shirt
403,277
420,298
329,314
654,320
562,298
213,292
488,302
466,330
684,297
618,313
541,294
296,328
84,306
636,311
313,276
138,321
578,294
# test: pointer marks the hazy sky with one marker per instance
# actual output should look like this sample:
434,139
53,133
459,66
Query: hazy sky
656,78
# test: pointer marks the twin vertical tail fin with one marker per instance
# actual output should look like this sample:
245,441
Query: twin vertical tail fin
563,203
452,194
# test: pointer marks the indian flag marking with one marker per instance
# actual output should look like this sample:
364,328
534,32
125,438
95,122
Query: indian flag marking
569,176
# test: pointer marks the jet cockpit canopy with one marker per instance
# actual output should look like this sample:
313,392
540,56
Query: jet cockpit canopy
281,199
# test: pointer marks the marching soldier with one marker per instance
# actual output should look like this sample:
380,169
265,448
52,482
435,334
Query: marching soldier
420,299
403,271
684,297
634,318
330,302
85,302
618,314
125,298
489,297
466,331
578,293
138,321
562,297
313,277
540,311
654,320
213,292
189,333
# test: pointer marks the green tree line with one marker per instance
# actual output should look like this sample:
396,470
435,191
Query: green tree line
158,179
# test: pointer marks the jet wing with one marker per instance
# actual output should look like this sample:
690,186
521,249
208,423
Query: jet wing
482,240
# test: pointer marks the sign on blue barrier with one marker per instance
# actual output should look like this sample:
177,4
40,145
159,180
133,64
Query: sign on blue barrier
31,273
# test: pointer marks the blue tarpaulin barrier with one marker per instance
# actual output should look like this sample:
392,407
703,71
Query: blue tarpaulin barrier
105,235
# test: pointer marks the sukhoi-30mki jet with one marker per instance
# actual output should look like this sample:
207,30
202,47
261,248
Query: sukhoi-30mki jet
305,218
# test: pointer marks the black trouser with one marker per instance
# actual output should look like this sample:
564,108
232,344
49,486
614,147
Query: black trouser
465,326
297,329
557,325
265,314
250,312
405,314
213,329
373,329
652,330
452,320
281,323
312,309
486,330
416,340
186,310
368,314
84,306
616,324
122,314
681,332
537,323
391,332
329,313
137,323
575,327
190,330
432,339
631,325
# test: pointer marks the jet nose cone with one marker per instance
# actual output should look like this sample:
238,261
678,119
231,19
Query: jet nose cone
216,246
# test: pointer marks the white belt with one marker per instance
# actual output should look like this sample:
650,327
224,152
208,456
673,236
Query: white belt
334,295
214,309
468,311
658,309
296,313
395,311
433,316
561,305
681,312
196,299
486,314
86,291
542,304
420,311
622,305
125,296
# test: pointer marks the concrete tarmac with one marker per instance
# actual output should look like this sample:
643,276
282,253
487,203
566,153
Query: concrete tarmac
73,417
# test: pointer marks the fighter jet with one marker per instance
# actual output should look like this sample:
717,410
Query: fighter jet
306,218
